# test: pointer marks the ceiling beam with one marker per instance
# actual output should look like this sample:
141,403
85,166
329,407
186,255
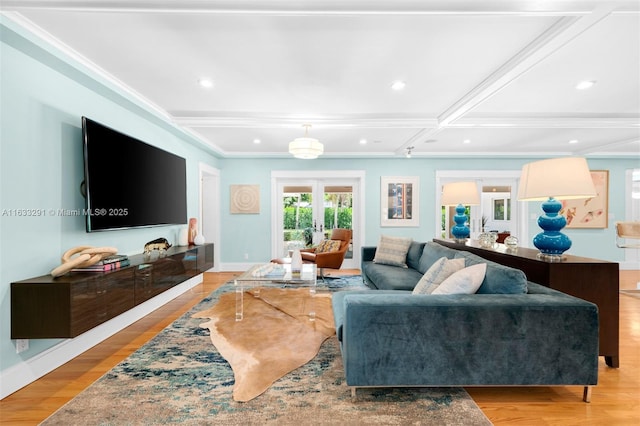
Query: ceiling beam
554,38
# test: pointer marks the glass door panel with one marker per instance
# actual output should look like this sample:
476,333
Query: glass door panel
297,208
338,211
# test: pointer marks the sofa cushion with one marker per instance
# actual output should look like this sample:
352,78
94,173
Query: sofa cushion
328,246
464,281
436,274
432,252
392,251
499,279
414,253
386,277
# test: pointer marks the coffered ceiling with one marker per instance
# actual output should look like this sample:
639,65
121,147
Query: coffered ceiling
483,78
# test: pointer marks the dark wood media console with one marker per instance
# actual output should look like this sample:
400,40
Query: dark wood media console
596,281
67,306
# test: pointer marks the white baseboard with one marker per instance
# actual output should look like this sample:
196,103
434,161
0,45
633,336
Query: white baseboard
629,265
30,370
236,267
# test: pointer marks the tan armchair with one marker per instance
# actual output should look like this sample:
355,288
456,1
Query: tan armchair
628,234
333,259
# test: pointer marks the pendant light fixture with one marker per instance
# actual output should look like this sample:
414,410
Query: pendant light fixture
305,147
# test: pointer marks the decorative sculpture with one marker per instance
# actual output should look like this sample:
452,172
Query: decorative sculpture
193,230
81,257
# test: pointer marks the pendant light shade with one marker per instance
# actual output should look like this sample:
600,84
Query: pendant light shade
305,147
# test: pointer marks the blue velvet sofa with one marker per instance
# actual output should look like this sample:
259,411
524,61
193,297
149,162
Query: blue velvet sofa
510,333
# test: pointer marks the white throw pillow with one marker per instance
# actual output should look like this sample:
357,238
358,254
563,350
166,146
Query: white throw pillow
392,251
465,281
436,274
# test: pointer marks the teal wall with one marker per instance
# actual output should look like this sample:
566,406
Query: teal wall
41,165
252,233
43,96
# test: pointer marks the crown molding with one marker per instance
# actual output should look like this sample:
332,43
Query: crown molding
336,7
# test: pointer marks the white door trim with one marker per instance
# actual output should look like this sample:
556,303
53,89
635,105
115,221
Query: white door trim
522,224
358,201
205,170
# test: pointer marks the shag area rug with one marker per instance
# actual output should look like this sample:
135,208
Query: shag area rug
179,377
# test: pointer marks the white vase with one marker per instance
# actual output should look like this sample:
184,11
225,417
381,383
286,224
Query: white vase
296,261
183,237
198,240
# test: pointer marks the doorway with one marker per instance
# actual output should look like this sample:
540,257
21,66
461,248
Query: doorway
308,205
498,210
209,209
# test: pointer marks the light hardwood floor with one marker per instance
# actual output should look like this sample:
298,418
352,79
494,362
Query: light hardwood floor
615,401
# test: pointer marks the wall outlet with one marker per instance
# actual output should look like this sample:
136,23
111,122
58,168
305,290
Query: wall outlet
246,256
22,345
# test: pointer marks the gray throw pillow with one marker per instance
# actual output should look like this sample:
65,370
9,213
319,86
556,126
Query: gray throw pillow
392,251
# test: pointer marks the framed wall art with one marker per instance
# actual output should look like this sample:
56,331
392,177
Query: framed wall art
399,198
590,212
245,199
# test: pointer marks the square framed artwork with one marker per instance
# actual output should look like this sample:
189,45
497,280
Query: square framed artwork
245,199
400,201
590,212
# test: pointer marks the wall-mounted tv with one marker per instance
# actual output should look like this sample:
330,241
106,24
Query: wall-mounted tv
130,183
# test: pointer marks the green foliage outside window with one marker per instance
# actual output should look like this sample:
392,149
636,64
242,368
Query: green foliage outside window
305,219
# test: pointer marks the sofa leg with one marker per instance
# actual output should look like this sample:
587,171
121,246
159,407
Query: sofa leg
353,394
586,395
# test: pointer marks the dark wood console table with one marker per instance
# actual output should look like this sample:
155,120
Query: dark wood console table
596,281
67,306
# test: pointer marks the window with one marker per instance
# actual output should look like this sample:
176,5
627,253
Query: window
502,209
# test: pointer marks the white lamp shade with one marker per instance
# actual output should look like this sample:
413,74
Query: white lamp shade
465,193
560,178
306,148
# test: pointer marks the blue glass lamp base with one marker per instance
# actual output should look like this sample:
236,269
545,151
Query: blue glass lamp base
460,231
551,242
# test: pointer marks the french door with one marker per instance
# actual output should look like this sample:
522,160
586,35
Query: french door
309,206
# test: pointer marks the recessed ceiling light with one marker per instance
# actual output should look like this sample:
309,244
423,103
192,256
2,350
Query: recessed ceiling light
363,141
466,141
257,141
398,85
587,84
206,83
572,141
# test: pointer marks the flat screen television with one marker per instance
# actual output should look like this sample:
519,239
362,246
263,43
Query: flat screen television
129,183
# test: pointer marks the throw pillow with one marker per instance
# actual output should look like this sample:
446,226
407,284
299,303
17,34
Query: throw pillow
465,281
327,246
432,252
439,271
392,251
498,279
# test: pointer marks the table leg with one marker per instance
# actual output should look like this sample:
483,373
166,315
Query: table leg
239,302
312,294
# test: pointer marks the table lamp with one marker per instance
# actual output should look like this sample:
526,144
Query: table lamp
460,194
549,181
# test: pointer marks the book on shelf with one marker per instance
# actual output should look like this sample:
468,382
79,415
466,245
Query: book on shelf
113,259
103,268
